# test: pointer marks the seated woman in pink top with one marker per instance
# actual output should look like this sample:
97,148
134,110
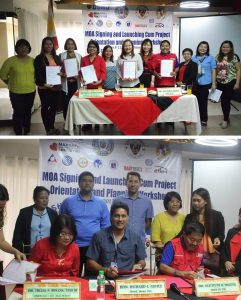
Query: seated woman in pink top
93,58
57,254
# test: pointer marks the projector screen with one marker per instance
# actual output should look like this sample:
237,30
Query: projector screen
213,29
222,178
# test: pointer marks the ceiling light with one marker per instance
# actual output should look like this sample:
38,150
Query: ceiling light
217,142
194,4
110,3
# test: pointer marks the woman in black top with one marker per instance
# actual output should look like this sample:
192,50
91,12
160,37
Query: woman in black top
49,94
187,71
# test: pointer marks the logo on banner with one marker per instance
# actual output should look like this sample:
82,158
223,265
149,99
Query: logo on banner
54,147
90,23
135,148
160,169
162,151
128,23
52,159
159,25
109,23
103,147
118,23
97,163
148,162
142,11
67,160
82,162
113,164
99,23
121,12
91,15
132,169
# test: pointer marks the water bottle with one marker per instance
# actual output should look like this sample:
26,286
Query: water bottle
100,294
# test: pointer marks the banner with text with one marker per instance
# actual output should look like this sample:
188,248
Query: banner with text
61,162
111,26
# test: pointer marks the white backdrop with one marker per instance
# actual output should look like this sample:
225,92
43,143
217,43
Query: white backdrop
222,179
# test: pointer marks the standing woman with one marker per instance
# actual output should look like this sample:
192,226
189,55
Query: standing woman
49,94
33,222
4,245
166,225
212,220
187,71
228,77
18,73
93,58
110,81
127,54
72,84
147,78
206,78
165,54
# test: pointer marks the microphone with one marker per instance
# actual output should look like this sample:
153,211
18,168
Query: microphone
176,290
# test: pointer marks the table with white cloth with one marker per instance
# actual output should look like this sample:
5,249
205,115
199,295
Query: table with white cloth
131,115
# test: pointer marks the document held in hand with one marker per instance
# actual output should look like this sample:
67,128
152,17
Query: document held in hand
214,95
71,67
89,74
15,272
166,67
129,70
52,76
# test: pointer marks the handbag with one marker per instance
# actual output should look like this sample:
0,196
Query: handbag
211,260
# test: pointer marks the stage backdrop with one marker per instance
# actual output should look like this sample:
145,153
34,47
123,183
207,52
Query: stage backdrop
112,26
61,162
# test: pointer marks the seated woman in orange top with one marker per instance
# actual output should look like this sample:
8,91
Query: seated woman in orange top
58,255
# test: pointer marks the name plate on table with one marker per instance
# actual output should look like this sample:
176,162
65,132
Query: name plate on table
134,92
217,286
169,91
95,93
141,288
39,290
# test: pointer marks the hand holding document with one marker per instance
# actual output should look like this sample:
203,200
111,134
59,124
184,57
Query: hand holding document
129,70
52,75
89,74
15,272
71,67
214,95
166,67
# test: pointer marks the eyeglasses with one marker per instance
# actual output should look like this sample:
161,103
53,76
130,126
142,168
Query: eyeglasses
64,235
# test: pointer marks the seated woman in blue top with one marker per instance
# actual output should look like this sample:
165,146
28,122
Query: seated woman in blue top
111,79
33,222
206,78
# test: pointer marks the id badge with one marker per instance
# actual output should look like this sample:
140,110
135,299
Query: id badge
113,264
199,69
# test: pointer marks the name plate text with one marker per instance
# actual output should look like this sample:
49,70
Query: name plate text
39,290
217,286
141,288
169,91
134,92
95,93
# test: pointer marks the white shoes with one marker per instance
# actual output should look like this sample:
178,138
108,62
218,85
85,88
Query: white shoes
224,124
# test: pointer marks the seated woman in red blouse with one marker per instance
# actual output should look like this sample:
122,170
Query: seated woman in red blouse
57,254
231,254
97,61
187,71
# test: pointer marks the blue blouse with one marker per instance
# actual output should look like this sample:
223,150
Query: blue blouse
206,64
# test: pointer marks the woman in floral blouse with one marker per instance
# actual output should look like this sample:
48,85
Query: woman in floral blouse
228,77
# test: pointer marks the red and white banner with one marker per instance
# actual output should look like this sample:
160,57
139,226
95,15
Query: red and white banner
51,32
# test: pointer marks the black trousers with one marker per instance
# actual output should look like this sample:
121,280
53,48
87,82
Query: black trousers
83,251
72,88
22,105
49,104
202,98
227,92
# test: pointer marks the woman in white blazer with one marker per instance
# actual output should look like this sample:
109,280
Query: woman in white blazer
72,84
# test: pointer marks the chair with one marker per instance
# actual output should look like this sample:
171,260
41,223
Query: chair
2,287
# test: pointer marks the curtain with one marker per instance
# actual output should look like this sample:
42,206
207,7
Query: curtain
32,28
20,176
